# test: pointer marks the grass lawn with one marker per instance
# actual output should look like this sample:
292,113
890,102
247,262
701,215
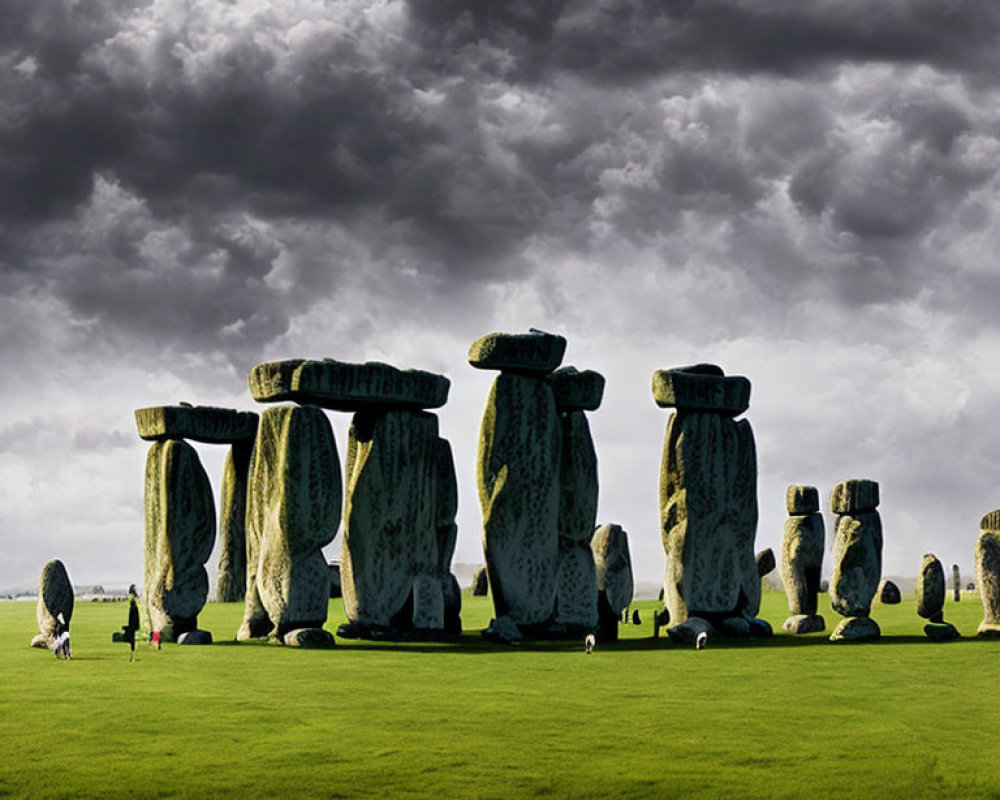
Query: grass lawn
791,717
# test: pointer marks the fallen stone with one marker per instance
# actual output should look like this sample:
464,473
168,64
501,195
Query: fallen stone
518,480
941,631
802,550
480,582
207,424
765,562
309,638
575,390
536,353
888,593
687,631
55,597
930,589
857,563
293,510
195,637
232,577
801,500
709,474
343,386
856,629
988,575
687,390
801,624
180,536
855,495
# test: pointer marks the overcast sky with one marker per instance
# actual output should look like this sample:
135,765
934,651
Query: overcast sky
803,193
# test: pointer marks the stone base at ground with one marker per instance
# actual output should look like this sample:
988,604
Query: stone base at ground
988,631
856,629
373,633
503,630
941,631
195,637
41,640
804,623
687,632
309,638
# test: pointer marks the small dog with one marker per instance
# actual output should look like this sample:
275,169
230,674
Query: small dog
589,643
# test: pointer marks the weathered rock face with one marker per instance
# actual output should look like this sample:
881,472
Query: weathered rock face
802,549
231,586
801,500
708,496
888,593
180,535
293,509
480,582
857,559
575,390
930,589
988,574
613,564
446,508
343,386
55,597
576,601
390,546
956,582
765,562
534,353
518,478
197,423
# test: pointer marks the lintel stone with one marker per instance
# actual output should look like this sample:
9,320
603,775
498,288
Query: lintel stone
206,424
702,387
536,352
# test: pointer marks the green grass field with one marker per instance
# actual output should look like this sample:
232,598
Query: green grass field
786,718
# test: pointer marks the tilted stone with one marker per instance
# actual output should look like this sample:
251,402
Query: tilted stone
480,582
344,386
180,536
575,390
686,389
536,352
988,578
802,500
613,564
518,481
854,495
578,490
888,593
293,509
930,589
765,562
390,545
857,563
802,550
708,517
232,579
197,423
55,597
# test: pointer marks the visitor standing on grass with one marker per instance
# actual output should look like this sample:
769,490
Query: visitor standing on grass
133,621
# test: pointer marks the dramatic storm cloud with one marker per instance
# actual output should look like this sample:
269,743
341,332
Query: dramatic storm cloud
804,193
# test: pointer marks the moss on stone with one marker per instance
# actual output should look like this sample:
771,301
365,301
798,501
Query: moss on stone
931,588
801,500
575,390
198,423
536,352
686,390
854,495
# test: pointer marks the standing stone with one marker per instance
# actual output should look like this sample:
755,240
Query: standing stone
518,478
576,593
446,509
480,582
931,590
390,539
55,597
708,499
615,583
180,535
293,509
802,559
988,574
956,582
335,588
888,593
857,559
232,580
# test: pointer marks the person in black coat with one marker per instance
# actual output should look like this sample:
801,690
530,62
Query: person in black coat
133,621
